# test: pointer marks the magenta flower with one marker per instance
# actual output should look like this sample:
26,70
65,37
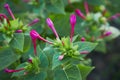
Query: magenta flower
108,33
80,14
83,39
3,16
34,36
84,52
51,25
60,57
19,31
72,22
114,16
9,10
34,22
86,7
11,70
30,60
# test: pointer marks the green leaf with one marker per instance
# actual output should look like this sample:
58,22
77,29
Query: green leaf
56,7
49,52
39,76
56,62
27,43
85,70
95,2
71,73
7,57
43,58
18,41
85,46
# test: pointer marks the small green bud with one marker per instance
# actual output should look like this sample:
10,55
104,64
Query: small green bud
89,17
76,53
103,20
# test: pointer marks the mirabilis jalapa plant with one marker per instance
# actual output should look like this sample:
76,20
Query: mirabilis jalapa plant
61,59
10,28
97,25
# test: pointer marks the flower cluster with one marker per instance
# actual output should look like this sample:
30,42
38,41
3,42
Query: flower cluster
64,45
93,23
9,27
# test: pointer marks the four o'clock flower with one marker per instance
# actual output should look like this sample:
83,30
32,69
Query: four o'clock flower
84,52
114,16
86,7
9,10
3,16
51,25
108,33
72,23
34,22
82,39
11,70
80,14
34,36
60,57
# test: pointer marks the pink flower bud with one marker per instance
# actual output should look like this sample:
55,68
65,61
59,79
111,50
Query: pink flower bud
9,10
84,52
60,57
80,14
34,22
18,31
83,39
51,25
30,60
11,70
108,33
114,16
72,22
5,17
34,36
86,7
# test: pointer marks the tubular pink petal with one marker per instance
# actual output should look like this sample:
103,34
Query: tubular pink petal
86,7
5,17
41,38
60,57
9,10
108,33
34,22
19,31
51,25
114,16
80,14
84,52
72,22
34,35
30,60
11,70
83,39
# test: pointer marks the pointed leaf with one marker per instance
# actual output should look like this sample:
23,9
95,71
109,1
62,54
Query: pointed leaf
7,57
71,73
85,46
18,41
85,70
